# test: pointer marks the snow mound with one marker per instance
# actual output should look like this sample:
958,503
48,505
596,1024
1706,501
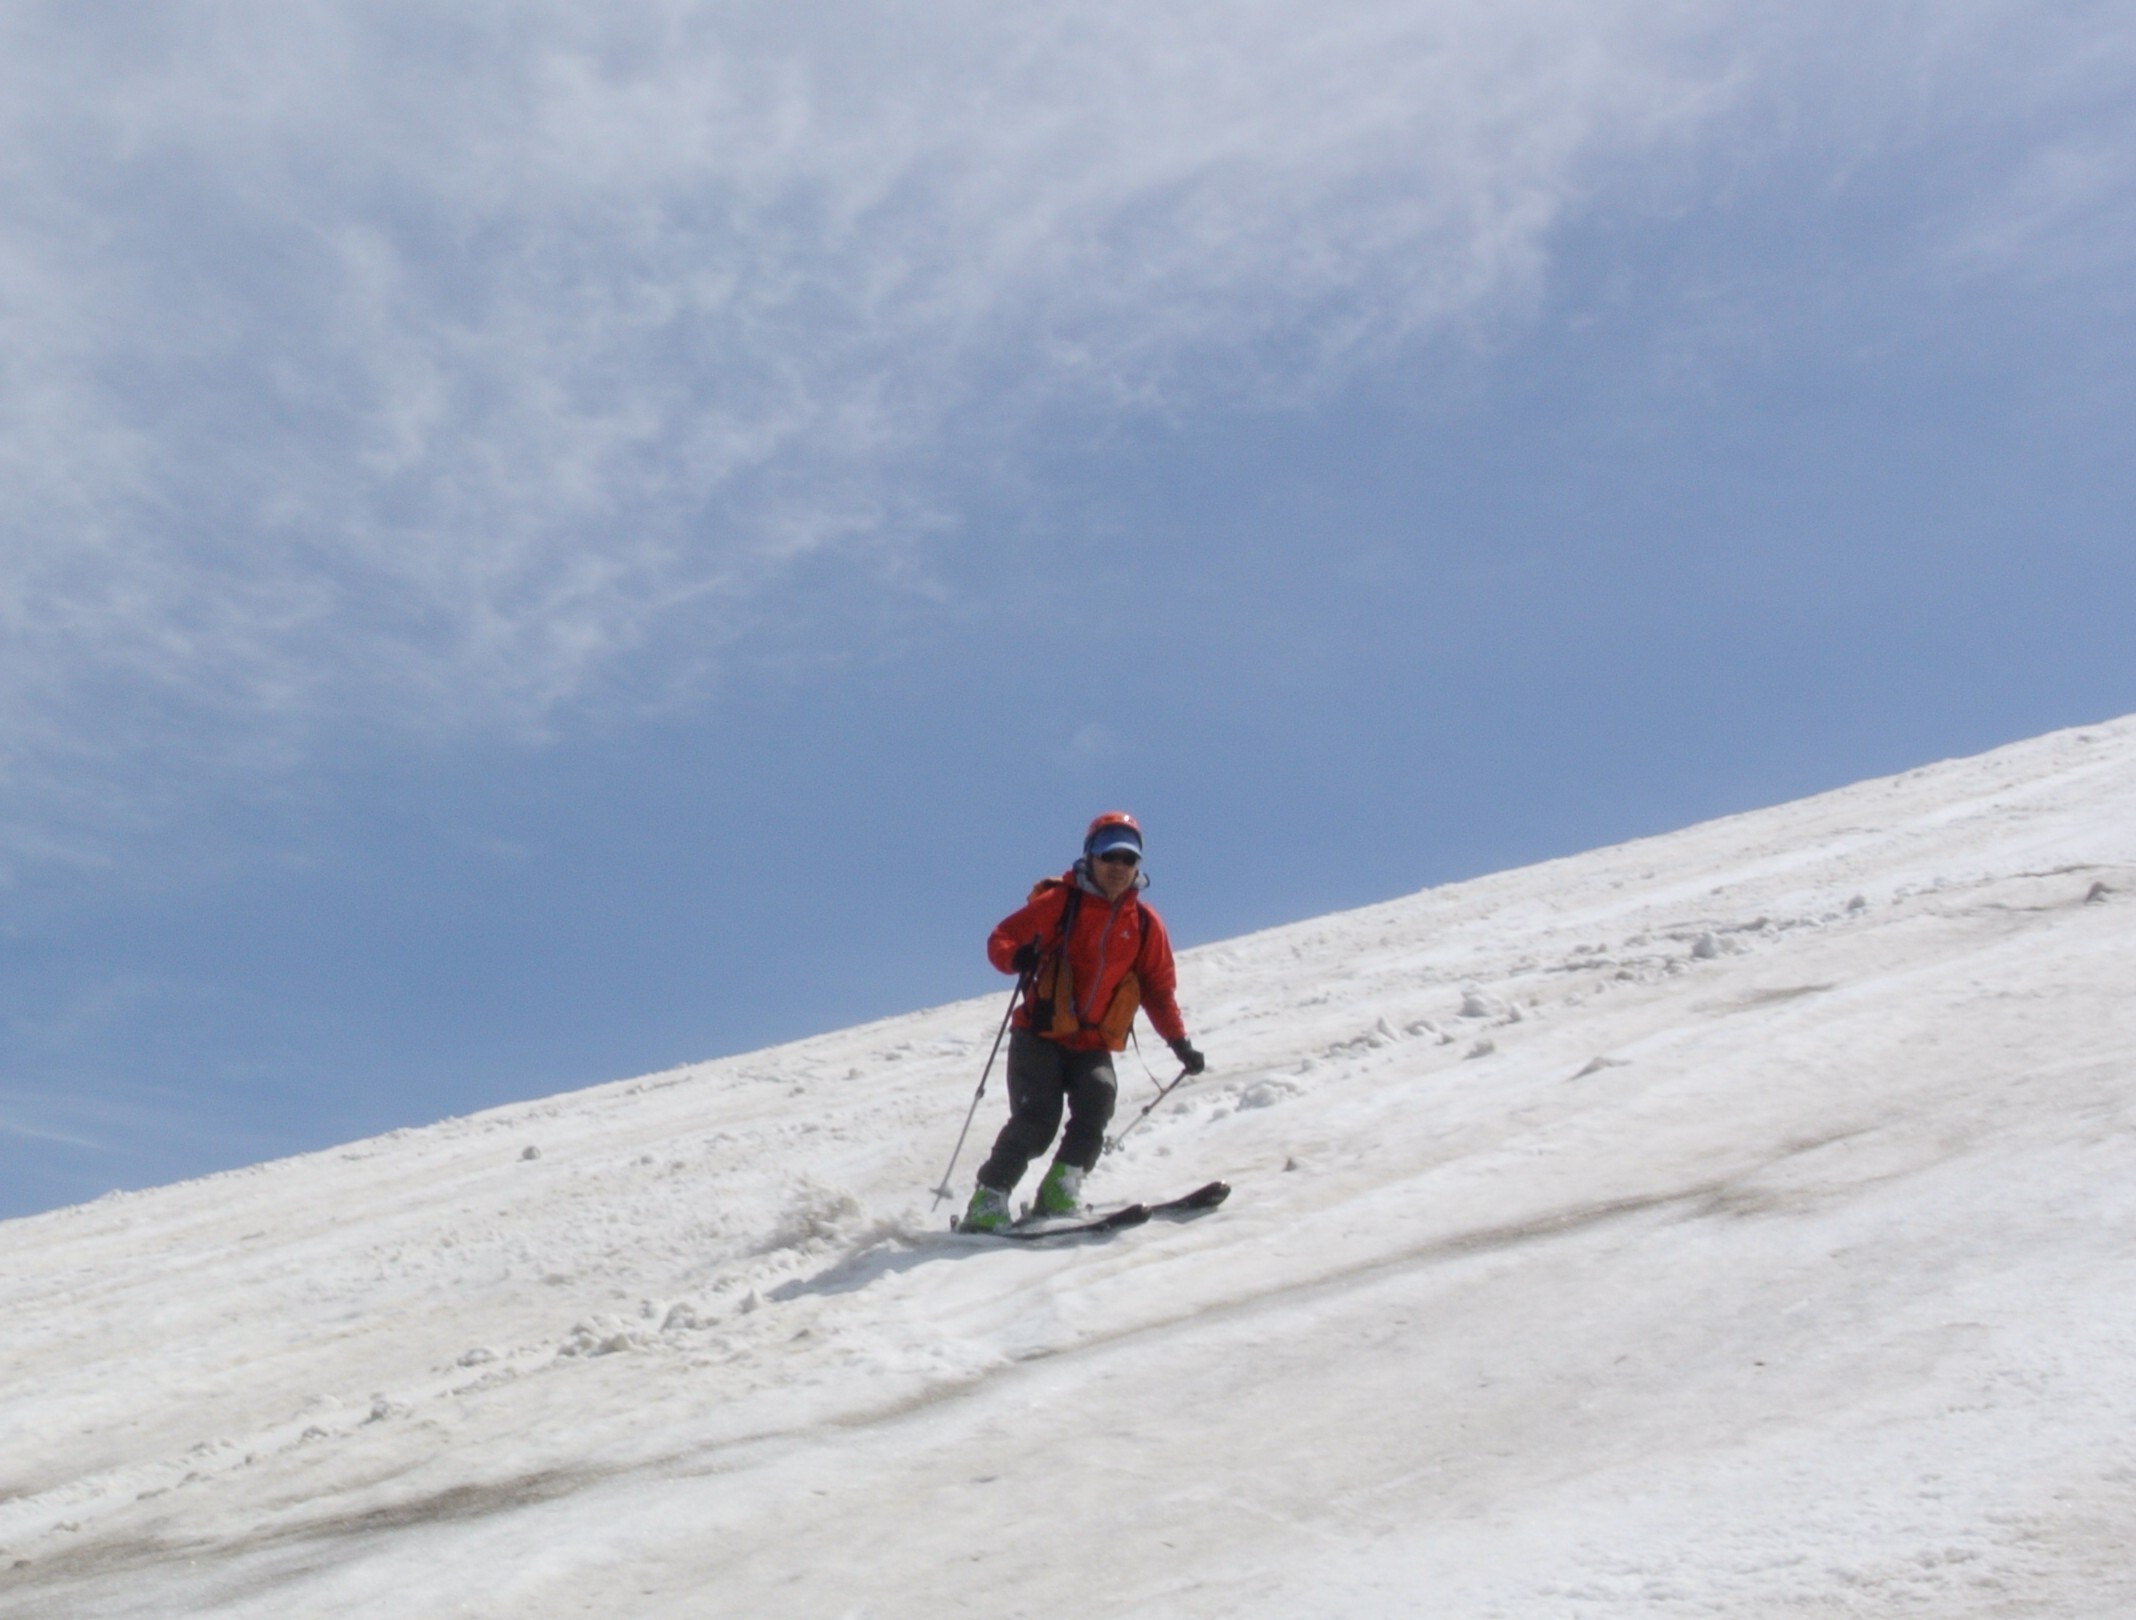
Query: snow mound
816,1216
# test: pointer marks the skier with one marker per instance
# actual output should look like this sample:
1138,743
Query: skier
1088,951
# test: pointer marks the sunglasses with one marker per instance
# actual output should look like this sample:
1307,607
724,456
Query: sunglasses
1120,857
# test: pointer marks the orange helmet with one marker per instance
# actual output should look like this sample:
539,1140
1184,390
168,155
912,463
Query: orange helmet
1113,830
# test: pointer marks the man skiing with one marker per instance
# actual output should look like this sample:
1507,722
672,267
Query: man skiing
1088,951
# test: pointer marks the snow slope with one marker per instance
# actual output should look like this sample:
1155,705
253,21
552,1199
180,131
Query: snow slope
1731,1223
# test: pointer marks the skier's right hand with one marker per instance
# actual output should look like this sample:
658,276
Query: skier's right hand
1025,961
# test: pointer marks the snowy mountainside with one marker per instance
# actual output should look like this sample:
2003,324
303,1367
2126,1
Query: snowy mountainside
1733,1222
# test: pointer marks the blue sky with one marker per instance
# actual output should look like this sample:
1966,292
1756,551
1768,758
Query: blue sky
544,545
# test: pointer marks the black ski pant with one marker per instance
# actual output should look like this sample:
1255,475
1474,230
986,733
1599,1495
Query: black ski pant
1044,1075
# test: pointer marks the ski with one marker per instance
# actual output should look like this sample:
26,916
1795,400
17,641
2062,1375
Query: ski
1201,1198
1118,1220
1037,1231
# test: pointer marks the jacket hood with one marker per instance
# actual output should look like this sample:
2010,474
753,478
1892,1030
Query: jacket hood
1084,881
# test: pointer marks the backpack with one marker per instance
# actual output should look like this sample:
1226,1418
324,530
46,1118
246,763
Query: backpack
1050,1002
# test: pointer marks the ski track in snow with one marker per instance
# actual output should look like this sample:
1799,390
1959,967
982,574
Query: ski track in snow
1730,1223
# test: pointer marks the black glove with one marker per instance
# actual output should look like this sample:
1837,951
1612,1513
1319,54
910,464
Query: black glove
1183,1049
1025,961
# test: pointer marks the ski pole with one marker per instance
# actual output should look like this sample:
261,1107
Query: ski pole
1015,996
1112,1142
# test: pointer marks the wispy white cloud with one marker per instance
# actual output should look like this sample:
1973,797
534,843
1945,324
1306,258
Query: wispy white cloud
421,365
30,1129
2060,210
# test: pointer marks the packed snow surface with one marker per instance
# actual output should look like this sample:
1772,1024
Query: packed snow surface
1731,1223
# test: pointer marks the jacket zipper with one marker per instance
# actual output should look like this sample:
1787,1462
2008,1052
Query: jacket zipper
1090,996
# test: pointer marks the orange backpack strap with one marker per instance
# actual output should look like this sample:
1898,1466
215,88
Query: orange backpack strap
1049,1004
1120,1016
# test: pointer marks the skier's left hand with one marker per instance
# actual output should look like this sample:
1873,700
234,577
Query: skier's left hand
1183,1049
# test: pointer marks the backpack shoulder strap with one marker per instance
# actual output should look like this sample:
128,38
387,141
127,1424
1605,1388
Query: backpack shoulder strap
1069,906
1049,999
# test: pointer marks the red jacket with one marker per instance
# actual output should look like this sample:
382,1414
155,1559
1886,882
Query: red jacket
1108,941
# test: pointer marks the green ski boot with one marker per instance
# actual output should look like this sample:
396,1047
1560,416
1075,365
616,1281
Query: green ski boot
1061,1193
987,1212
